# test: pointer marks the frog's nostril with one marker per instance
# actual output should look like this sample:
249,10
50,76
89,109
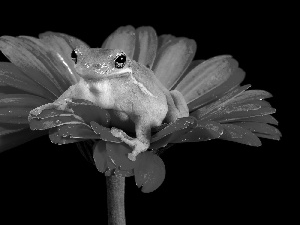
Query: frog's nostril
97,66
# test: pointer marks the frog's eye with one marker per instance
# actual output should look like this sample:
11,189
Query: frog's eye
120,61
74,56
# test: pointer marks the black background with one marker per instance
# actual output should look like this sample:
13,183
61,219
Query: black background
213,181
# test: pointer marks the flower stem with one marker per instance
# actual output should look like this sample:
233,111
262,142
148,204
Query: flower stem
115,200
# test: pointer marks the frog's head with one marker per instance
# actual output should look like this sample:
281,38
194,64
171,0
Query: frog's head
93,63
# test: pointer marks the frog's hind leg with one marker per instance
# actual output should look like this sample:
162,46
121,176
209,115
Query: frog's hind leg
139,144
173,113
180,103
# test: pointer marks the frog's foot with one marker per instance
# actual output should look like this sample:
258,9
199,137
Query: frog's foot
134,143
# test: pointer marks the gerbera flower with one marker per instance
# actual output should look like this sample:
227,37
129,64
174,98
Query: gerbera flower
42,70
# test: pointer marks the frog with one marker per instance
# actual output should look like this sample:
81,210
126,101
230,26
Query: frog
112,80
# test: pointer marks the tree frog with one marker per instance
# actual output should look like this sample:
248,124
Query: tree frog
111,80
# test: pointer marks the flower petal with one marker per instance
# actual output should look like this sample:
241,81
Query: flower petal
53,121
261,128
252,95
19,53
185,123
59,48
105,164
57,138
261,119
235,106
81,131
8,128
240,135
207,109
232,112
86,148
213,77
12,115
57,70
65,133
168,133
123,38
232,83
272,137
160,145
205,130
21,101
100,156
76,110
150,171
146,46
14,108
14,139
91,113
118,152
10,75
172,59
104,133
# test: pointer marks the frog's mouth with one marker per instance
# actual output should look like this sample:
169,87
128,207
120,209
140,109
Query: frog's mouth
123,71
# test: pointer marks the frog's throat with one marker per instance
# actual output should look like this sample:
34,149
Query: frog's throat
142,87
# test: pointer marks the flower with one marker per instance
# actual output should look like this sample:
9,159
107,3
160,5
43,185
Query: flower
42,70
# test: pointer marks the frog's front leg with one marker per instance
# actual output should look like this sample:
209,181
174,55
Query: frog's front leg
60,104
139,144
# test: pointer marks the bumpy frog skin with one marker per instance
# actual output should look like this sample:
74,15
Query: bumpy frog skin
111,80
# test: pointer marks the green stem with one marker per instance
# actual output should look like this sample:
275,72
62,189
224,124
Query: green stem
115,200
